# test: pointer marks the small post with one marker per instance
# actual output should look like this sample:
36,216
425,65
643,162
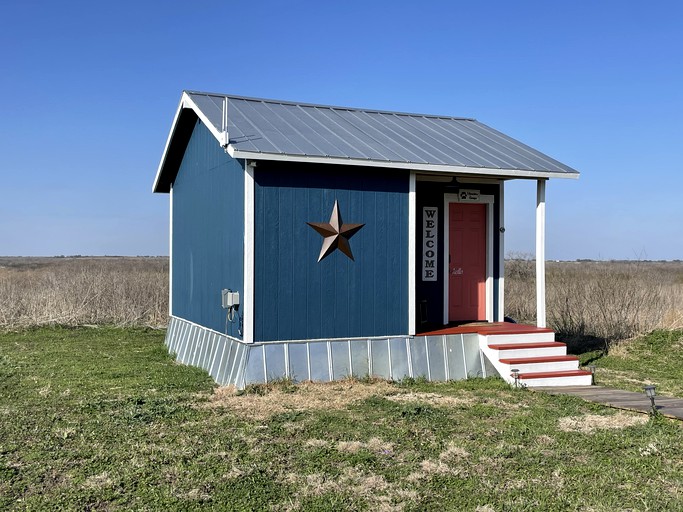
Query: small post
650,393
226,140
515,374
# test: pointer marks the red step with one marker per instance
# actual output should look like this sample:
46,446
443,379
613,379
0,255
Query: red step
512,346
547,375
547,359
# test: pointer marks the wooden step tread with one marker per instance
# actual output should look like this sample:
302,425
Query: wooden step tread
549,375
513,346
546,359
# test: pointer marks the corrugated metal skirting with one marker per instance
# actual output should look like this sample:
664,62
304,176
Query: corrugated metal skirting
230,361
220,355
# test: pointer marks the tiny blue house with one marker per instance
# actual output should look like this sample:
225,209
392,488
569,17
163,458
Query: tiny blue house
315,242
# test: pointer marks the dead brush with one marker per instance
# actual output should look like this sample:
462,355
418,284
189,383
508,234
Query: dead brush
77,291
598,300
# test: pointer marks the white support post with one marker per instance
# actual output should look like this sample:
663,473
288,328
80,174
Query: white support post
540,253
501,252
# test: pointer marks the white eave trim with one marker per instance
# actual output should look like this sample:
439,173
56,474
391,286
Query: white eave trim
460,169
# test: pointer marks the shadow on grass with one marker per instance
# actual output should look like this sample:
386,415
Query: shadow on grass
581,343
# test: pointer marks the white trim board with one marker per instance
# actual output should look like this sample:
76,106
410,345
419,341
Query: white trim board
488,200
249,213
489,171
170,253
412,214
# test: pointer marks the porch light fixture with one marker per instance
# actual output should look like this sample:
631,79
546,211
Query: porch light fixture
515,374
650,393
591,367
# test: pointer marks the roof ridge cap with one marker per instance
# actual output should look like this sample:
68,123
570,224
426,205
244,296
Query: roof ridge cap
331,107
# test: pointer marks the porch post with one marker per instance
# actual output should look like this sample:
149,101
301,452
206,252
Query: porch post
540,253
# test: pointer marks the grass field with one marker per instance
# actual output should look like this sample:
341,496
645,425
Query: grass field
652,359
104,419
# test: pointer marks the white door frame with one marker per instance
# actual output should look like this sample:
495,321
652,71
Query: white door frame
488,201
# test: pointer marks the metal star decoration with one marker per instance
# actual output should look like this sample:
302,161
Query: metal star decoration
336,234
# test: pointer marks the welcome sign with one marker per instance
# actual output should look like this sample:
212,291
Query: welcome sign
430,216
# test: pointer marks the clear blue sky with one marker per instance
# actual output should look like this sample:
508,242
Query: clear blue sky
90,89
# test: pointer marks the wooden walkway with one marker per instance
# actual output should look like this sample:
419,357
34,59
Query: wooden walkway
627,400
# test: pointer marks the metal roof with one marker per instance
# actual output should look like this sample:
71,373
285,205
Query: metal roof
265,129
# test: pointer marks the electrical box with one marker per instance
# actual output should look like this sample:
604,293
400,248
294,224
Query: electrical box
230,299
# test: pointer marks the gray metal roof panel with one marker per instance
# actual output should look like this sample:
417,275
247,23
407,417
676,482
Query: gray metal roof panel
306,130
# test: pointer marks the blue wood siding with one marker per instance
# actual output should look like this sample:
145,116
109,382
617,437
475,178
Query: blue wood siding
298,298
208,232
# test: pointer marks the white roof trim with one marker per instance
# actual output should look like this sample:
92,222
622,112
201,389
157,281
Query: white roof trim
459,169
185,102
168,143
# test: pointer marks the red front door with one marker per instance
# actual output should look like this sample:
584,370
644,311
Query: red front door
467,262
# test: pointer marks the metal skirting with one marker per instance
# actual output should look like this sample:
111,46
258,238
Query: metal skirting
231,361
222,356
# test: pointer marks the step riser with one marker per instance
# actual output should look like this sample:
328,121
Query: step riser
540,337
560,350
553,366
579,380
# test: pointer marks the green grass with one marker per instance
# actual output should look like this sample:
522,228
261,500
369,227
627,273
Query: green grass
652,359
103,419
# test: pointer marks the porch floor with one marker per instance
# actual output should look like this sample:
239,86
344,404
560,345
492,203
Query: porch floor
486,328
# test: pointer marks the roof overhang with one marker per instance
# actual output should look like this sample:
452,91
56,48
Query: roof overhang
413,166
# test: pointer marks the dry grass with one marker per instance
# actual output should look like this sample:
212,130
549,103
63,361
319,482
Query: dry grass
433,399
589,423
308,396
80,291
585,300
604,300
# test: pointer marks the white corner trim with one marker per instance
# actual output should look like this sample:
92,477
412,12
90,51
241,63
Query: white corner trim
249,212
412,212
540,253
485,199
170,254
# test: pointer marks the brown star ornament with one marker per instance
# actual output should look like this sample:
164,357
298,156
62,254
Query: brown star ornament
336,234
